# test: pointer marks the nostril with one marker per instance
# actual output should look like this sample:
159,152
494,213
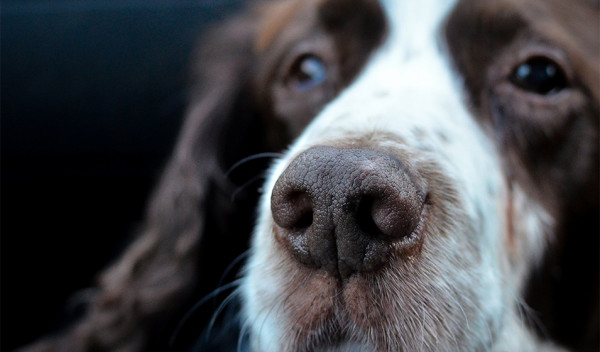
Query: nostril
303,216
292,210
364,217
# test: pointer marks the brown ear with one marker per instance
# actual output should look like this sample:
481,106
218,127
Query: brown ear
194,226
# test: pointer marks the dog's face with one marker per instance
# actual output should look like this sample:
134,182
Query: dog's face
439,190
442,148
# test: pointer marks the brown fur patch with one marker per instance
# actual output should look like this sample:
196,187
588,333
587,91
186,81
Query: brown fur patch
276,17
549,143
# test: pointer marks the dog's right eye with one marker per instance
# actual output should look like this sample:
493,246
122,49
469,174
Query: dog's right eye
307,72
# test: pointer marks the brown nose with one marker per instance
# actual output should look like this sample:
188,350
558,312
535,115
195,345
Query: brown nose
343,209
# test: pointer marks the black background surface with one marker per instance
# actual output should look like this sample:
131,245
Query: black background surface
93,94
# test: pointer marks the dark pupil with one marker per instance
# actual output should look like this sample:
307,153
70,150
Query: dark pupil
308,72
539,75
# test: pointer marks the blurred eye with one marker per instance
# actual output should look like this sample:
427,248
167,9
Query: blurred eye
539,75
307,72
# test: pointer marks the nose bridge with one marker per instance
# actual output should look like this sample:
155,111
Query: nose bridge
403,75
419,93
403,79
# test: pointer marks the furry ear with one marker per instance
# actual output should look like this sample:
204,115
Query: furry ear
194,225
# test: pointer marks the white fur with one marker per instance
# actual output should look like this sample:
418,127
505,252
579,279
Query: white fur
410,91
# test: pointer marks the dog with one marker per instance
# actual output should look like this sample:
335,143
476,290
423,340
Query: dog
431,184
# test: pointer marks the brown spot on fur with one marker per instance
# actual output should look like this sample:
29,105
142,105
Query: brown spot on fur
310,302
510,226
277,17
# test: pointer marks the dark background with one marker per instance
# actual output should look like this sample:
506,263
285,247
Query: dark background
93,93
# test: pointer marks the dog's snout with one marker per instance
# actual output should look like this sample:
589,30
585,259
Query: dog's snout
343,209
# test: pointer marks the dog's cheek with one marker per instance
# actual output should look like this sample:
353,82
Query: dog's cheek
529,226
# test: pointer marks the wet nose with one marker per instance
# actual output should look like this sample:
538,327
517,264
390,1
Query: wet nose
342,209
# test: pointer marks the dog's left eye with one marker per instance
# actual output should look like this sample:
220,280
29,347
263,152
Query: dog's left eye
539,75
307,72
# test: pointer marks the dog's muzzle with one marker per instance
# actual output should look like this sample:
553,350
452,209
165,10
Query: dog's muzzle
346,210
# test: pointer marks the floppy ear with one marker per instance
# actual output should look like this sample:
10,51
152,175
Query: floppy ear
194,227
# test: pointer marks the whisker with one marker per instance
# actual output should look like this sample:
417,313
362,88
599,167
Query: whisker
222,306
246,185
197,306
240,342
529,316
251,158
231,265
